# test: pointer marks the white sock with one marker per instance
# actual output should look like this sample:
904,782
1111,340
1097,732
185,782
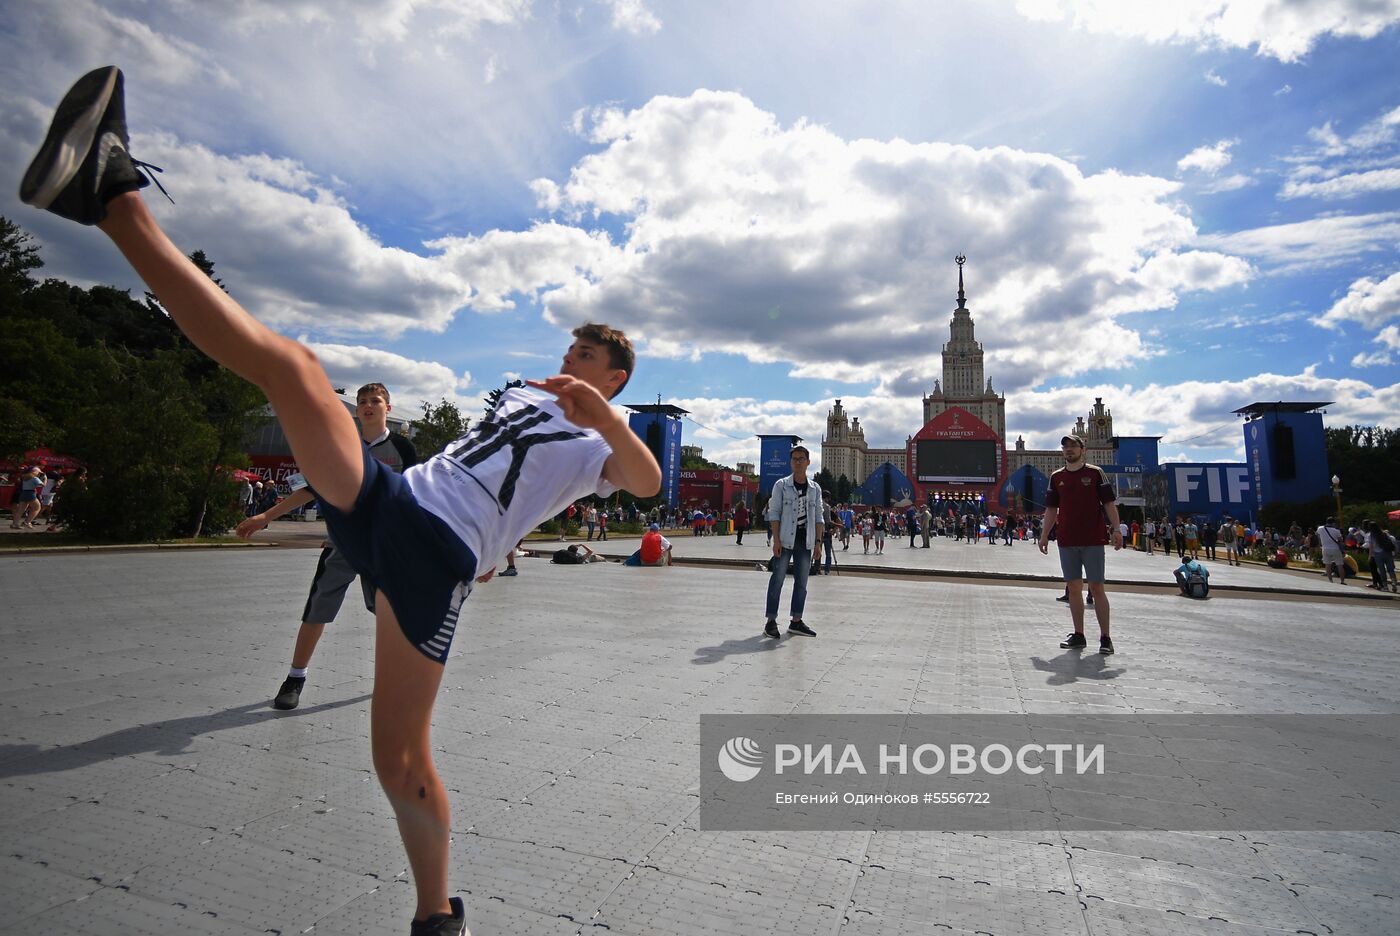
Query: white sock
295,673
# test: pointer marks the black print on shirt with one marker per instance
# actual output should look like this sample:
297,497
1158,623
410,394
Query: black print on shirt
492,436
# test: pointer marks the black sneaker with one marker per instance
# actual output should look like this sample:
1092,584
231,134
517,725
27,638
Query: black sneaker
289,696
770,629
84,162
1105,646
799,627
443,924
1073,642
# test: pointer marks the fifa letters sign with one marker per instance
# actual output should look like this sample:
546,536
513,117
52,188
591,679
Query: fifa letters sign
1211,489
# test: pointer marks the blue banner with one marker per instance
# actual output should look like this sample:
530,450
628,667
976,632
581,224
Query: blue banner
774,460
1211,489
662,435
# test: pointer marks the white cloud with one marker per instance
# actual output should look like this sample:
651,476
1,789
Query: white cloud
1348,185
1209,159
1283,29
375,21
81,30
1369,302
291,250
410,382
791,243
1229,183
1212,78
1322,241
1285,89
633,16
1389,337
1373,359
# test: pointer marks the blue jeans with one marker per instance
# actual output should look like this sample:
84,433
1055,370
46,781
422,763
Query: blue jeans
801,560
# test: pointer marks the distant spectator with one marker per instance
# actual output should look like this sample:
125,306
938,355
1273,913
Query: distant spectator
741,523
1333,557
577,554
1193,579
656,550
26,503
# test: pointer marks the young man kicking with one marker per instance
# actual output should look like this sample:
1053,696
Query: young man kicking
333,571
421,537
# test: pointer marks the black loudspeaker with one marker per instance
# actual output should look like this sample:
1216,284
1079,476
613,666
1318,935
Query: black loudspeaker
654,439
1285,460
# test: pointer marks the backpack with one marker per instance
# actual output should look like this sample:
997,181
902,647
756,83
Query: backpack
566,557
1196,583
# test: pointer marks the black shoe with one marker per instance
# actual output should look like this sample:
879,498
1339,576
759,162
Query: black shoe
1105,646
84,162
442,924
1064,598
798,627
771,629
289,696
1073,642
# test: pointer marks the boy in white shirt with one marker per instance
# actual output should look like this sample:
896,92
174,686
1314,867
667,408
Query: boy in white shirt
422,536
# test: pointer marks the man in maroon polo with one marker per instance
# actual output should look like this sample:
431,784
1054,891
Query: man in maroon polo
1079,505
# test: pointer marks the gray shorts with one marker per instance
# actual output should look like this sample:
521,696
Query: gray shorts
328,586
1082,563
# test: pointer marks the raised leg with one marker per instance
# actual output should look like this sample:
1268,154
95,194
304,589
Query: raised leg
319,427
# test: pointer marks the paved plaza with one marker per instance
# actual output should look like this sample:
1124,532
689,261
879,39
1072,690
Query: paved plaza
146,786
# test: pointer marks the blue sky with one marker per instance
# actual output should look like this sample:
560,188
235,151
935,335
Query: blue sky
1180,208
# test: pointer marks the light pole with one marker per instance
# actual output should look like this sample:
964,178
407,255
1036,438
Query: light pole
1337,493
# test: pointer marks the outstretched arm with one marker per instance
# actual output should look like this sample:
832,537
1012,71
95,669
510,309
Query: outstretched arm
631,465
258,521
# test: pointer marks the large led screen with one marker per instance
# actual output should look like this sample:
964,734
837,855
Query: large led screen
942,460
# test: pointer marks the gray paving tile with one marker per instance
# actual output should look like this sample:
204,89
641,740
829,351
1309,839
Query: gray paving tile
137,750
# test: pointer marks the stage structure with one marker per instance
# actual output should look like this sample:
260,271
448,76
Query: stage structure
659,426
957,456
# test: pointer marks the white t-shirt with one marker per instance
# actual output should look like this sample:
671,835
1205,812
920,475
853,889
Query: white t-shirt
1332,539
522,465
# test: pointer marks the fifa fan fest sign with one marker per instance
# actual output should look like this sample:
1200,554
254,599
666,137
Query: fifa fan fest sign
957,454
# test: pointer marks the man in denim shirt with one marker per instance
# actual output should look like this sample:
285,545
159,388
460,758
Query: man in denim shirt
796,519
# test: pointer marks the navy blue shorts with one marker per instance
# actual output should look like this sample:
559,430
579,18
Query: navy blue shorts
422,567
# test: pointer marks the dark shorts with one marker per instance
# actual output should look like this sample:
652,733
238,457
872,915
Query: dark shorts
333,576
422,567
1082,563
23,497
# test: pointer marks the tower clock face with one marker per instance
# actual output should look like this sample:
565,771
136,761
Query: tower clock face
1101,422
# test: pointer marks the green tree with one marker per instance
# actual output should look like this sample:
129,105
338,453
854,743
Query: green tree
440,426
19,256
233,408
1367,459
494,397
843,490
146,442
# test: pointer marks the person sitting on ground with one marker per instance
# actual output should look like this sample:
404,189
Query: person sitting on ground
1279,560
577,554
655,550
1193,578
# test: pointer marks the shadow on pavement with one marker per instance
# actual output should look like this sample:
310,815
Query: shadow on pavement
165,738
1074,665
755,644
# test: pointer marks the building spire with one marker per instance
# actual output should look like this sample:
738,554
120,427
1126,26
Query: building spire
962,297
